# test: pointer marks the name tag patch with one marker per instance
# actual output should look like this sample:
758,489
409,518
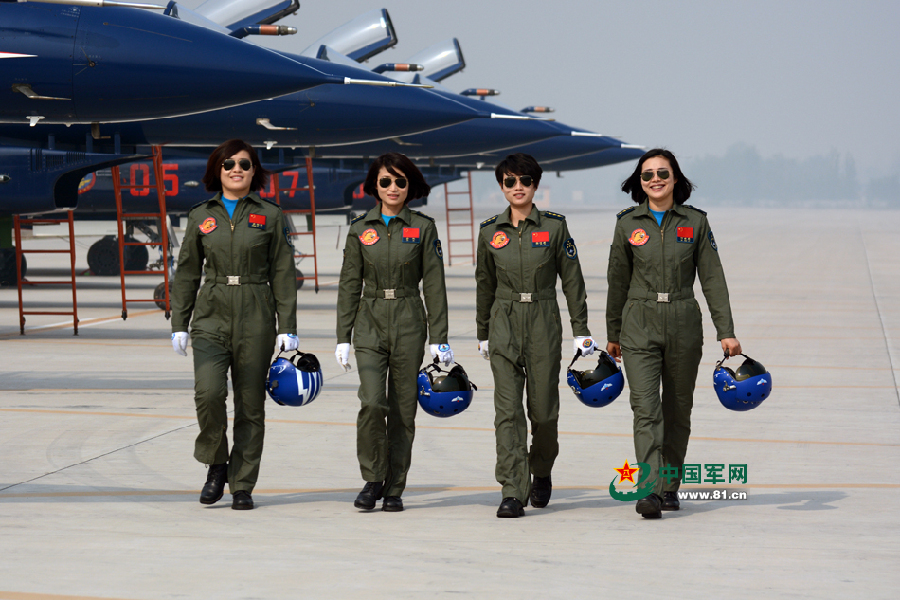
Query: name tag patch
540,238
685,235
257,221
411,235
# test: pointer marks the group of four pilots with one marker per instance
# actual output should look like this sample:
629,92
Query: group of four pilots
247,305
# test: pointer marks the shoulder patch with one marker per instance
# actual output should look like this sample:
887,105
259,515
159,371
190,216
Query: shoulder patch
198,205
359,218
702,212
421,214
487,222
270,201
624,212
552,215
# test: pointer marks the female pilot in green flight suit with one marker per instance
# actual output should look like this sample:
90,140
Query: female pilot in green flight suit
389,250
241,241
652,318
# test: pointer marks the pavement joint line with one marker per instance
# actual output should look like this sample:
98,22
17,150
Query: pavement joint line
8,595
428,489
884,335
436,427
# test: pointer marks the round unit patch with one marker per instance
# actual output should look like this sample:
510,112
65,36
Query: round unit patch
638,237
209,225
499,240
369,237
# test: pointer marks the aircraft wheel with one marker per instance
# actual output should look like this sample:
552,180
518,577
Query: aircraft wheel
159,295
8,266
103,256
299,281
136,257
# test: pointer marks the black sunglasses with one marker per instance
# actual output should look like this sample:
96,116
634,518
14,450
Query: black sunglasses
662,173
386,182
510,181
229,163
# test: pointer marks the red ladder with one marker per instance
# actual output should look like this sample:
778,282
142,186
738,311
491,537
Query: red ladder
467,213
121,216
17,227
310,187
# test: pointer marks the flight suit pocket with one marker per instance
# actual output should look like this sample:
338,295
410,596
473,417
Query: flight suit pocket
258,257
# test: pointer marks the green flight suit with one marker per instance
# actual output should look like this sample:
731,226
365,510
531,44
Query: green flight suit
234,323
380,307
517,312
652,313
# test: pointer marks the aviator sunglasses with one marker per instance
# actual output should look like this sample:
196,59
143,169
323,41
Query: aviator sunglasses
662,173
385,182
510,181
229,163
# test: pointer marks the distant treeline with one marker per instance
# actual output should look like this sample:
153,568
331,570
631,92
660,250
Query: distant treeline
741,175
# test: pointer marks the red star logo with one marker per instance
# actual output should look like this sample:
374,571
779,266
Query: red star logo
626,473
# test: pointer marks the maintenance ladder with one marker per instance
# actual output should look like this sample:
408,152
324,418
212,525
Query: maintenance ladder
121,216
17,227
466,212
310,187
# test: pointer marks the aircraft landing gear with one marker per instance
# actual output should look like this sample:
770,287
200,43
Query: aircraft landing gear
103,257
8,266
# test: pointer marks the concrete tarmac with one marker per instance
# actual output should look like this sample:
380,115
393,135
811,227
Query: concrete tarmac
98,487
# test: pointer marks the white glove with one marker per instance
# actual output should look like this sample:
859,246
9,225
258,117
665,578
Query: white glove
483,349
585,344
180,342
342,354
286,342
442,352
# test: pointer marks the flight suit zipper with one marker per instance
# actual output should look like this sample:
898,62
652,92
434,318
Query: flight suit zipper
390,316
662,268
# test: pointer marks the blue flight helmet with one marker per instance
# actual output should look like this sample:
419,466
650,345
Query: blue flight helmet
444,395
599,386
744,389
296,380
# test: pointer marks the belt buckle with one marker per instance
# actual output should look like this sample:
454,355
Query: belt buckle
525,297
662,296
233,280
389,295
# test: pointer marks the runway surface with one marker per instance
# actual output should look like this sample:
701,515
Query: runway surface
98,487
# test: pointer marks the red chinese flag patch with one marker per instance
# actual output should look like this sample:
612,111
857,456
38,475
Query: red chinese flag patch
257,221
685,235
411,235
540,238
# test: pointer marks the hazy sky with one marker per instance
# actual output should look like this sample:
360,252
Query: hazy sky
794,78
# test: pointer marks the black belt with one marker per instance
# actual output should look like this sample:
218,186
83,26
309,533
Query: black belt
508,294
641,294
241,279
390,294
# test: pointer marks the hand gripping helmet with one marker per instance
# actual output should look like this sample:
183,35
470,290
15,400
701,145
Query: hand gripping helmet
744,389
444,395
600,386
296,380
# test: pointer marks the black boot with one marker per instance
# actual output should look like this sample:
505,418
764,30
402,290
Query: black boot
215,484
392,504
241,500
671,501
510,508
540,491
649,507
369,494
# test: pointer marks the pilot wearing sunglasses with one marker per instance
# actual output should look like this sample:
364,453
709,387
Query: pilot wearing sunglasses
653,321
389,250
521,252
242,244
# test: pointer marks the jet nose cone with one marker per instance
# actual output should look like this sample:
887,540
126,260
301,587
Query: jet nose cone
134,64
